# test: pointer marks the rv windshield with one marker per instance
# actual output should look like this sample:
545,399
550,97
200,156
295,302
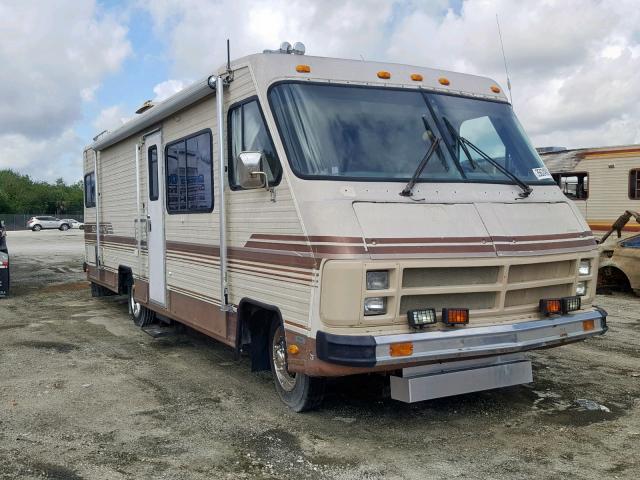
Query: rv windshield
371,133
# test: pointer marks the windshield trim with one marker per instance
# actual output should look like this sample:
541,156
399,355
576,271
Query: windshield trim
342,178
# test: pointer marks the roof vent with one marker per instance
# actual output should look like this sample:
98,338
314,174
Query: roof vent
145,106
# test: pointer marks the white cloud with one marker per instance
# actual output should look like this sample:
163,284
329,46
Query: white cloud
111,118
167,88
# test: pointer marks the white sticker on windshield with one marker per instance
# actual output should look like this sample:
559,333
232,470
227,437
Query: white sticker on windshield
541,173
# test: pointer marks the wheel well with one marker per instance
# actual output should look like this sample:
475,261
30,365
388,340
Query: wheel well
611,277
253,329
125,279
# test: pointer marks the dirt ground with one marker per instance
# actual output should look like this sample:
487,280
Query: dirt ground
84,394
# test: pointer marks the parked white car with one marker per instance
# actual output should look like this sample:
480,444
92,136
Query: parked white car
39,223
73,223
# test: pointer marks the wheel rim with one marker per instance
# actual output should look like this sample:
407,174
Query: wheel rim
279,356
135,306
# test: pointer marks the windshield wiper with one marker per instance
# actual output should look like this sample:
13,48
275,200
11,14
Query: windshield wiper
408,190
464,143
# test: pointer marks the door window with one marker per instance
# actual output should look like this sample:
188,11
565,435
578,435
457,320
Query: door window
152,157
248,133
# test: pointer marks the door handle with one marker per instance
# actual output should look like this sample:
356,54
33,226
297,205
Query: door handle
148,223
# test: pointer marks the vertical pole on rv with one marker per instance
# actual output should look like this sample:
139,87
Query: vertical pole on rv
221,199
96,162
139,213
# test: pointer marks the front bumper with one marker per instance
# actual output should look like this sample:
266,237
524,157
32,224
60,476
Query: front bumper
456,343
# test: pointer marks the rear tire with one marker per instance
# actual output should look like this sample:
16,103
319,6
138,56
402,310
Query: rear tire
140,314
64,227
298,391
36,228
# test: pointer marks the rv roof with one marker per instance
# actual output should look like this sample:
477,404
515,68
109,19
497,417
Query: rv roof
566,160
269,68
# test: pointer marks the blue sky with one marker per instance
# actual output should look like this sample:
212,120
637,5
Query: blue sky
74,67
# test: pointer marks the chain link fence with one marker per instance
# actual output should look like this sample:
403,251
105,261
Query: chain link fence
18,221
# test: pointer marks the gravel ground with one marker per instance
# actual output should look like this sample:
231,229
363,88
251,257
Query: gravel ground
86,395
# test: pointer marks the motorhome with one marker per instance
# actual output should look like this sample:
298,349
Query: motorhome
603,182
331,217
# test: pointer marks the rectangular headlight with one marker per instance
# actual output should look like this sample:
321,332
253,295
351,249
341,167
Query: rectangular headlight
375,306
422,317
581,288
378,280
585,267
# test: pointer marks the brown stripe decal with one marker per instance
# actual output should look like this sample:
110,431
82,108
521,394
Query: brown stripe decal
555,236
302,238
389,240
433,249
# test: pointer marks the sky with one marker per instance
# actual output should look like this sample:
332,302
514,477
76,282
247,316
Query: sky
73,68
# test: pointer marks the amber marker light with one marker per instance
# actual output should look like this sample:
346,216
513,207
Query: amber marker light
303,68
293,349
444,81
495,89
416,77
401,349
384,74
455,316
550,306
588,325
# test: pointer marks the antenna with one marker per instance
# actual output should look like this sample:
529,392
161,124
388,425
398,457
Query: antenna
228,56
504,57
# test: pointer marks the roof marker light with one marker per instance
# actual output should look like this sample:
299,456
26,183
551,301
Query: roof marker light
384,74
495,89
444,81
416,77
303,68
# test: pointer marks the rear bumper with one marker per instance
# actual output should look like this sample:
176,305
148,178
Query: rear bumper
457,343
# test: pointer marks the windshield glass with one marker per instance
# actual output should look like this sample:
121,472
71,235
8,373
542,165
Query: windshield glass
358,133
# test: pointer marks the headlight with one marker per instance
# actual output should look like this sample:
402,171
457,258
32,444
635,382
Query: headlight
378,280
581,288
585,267
375,306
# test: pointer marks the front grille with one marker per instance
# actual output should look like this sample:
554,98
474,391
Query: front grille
488,289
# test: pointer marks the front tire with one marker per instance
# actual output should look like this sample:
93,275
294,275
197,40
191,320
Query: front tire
64,227
298,391
36,228
140,314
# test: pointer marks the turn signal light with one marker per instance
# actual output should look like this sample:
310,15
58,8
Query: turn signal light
495,89
444,81
384,74
588,325
416,77
303,68
401,349
293,349
455,316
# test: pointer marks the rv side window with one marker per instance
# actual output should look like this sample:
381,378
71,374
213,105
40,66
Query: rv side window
248,132
90,190
189,174
152,157
634,184
575,185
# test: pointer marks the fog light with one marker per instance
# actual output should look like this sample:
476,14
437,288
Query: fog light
570,304
455,316
550,306
585,267
581,288
375,306
420,318
377,280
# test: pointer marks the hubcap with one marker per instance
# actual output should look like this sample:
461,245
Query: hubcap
135,306
279,355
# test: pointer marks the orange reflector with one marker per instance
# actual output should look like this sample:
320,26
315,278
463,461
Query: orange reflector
401,349
303,68
416,77
384,74
551,306
455,316
588,325
443,81
495,89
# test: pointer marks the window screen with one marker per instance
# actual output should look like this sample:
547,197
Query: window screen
189,176
634,184
90,190
248,133
575,185
152,158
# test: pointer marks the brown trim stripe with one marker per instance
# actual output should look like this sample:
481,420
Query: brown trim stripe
554,236
433,249
544,246
302,238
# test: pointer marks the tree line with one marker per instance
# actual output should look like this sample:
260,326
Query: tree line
20,194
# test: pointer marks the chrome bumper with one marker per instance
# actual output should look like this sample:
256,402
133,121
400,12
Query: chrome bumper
457,343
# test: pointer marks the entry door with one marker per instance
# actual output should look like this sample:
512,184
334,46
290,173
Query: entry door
155,218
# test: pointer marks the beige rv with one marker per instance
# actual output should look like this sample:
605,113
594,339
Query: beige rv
333,217
603,182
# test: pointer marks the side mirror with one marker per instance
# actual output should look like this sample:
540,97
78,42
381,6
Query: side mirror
251,174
